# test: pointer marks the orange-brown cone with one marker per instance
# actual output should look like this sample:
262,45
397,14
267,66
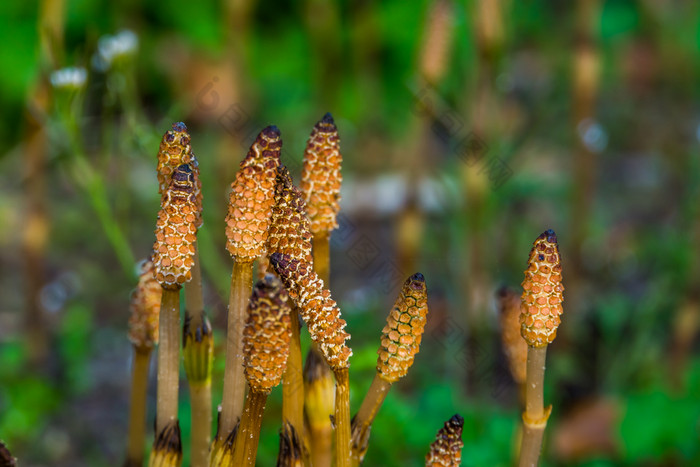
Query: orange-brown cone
266,335
145,309
289,232
174,151
542,297
320,176
446,450
176,231
401,337
253,196
316,306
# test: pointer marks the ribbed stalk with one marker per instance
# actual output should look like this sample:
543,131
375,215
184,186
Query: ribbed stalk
322,256
292,381
201,423
535,416
245,446
137,411
168,359
362,422
234,382
198,352
342,417
194,302
319,405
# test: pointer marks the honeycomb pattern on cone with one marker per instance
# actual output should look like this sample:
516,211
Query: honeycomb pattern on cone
541,303
320,176
145,309
266,334
446,450
401,337
174,151
317,308
514,346
176,231
253,196
289,232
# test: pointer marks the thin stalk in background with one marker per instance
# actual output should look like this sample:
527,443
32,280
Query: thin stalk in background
143,334
36,223
137,410
585,73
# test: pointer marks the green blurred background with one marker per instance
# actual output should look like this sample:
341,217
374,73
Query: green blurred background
467,128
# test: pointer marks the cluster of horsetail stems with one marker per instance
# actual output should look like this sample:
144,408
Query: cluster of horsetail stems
271,220
540,311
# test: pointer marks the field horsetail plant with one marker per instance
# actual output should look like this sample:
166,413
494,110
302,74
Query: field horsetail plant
400,343
286,228
540,313
250,208
320,184
173,258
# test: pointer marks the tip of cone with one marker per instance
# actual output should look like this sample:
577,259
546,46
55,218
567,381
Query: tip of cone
457,419
550,235
418,277
179,126
328,118
272,131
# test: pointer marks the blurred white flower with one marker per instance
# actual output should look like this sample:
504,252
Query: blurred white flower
111,48
69,78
